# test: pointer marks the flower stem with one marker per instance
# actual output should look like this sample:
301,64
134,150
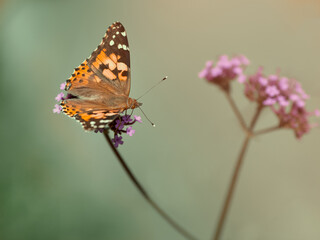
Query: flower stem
236,111
235,176
232,185
266,130
255,118
144,193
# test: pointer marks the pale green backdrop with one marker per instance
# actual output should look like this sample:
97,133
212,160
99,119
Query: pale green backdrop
58,182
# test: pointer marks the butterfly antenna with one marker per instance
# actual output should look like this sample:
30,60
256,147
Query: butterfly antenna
153,125
152,88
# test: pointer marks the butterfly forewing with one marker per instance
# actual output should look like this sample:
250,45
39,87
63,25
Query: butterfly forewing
85,83
111,60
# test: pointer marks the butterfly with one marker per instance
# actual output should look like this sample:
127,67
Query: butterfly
100,86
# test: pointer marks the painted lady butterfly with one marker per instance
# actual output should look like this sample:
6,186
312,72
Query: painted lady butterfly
100,86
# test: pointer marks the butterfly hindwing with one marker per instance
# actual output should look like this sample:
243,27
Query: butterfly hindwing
96,119
91,115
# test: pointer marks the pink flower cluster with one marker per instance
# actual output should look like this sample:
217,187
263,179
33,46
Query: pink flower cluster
58,98
225,70
273,89
286,98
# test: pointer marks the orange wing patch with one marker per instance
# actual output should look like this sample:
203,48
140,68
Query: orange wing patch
80,75
70,110
107,60
108,65
109,74
96,119
114,57
123,71
99,114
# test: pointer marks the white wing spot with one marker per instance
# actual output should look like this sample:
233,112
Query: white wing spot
117,32
105,121
101,126
111,43
123,34
124,47
92,123
114,28
119,46
113,36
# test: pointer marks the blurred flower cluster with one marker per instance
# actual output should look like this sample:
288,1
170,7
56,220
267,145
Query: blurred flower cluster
225,71
118,126
283,95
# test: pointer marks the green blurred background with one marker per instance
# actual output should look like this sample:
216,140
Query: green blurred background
59,182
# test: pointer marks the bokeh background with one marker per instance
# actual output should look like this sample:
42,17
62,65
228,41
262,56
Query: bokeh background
59,182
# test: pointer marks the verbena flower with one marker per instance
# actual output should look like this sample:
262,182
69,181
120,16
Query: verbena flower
137,118
119,124
284,96
130,131
59,97
57,109
117,140
62,86
225,70
123,124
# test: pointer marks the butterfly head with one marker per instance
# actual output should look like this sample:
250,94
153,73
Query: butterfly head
133,103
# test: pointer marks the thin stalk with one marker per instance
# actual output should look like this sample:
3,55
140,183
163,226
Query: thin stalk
236,111
255,118
266,130
235,175
232,186
144,193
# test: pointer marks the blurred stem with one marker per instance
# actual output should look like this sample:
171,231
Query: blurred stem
235,175
255,118
266,130
236,111
144,193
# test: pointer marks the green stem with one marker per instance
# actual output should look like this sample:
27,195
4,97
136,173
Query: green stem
144,193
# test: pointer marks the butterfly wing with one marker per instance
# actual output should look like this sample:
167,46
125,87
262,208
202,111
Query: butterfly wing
108,68
101,83
91,115
84,83
111,60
